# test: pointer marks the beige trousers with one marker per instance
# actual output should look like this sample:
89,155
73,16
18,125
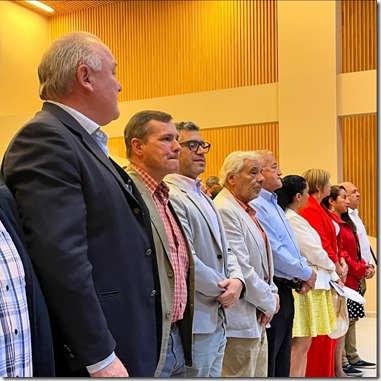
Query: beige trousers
245,357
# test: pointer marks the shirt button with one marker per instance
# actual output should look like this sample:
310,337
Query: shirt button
7,287
16,331
153,292
149,252
136,210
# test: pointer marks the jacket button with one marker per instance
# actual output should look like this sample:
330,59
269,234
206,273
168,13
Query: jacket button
219,256
136,210
149,252
168,315
170,274
153,292
71,356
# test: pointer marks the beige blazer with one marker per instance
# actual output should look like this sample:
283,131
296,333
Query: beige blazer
247,243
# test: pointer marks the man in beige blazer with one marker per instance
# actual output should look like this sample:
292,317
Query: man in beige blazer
153,151
219,280
246,349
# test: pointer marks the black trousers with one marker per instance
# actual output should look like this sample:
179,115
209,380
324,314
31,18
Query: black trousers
279,336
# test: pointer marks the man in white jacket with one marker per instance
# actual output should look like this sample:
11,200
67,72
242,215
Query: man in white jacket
246,353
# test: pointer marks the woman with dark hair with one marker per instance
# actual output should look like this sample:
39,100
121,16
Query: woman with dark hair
314,311
315,214
337,208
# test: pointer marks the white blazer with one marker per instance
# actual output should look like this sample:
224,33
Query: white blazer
247,243
311,248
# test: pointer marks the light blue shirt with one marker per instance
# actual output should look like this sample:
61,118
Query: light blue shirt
288,263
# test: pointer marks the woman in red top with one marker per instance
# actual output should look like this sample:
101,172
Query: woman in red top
337,209
321,355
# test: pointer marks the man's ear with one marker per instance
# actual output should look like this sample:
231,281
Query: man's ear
231,178
137,146
84,77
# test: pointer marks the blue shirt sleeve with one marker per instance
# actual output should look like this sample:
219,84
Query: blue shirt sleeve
288,263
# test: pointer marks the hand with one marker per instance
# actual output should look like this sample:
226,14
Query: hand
340,283
311,280
233,288
263,320
277,300
114,369
370,271
305,288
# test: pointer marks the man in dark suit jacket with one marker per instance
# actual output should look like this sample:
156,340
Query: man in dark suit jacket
86,226
40,333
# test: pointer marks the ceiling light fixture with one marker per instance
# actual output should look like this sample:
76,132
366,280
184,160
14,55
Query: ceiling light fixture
40,5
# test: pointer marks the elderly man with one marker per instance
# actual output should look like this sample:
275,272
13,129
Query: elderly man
213,185
350,355
219,280
153,152
289,265
246,349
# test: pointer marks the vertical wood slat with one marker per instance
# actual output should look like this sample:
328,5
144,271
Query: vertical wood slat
359,32
359,141
175,47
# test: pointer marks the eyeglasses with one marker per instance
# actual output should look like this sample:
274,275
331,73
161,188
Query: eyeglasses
194,145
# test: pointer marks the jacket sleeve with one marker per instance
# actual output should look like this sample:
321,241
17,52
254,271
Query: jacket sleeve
258,292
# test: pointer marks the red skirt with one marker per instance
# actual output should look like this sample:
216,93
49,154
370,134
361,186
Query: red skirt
321,357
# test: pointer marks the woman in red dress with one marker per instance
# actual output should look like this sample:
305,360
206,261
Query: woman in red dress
321,354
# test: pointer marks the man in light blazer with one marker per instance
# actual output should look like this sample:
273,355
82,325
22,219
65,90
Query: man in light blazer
86,227
153,151
246,349
219,280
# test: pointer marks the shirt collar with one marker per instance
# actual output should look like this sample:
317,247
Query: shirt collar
153,186
269,196
90,126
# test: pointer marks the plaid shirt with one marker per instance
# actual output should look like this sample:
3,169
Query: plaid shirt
15,339
177,243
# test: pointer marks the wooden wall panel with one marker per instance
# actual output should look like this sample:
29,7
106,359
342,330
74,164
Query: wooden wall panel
236,138
166,48
359,35
359,134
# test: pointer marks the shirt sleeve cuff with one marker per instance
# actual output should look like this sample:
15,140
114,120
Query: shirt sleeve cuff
101,364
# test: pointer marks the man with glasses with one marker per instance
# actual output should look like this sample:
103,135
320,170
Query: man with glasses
219,280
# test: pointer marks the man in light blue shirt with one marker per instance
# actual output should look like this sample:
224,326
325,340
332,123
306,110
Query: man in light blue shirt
290,268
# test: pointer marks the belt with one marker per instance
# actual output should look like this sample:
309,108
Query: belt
289,283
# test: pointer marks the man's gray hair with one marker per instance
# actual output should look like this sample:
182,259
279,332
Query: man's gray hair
235,162
57,69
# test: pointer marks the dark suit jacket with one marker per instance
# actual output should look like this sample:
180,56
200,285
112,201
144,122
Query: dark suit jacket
88,234
42,345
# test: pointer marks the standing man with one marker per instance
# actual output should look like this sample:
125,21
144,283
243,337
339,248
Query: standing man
86,225
153,152
350,355
25,340
214,186
246,353
219,280
290,268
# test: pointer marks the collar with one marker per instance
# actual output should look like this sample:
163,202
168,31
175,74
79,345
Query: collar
90,126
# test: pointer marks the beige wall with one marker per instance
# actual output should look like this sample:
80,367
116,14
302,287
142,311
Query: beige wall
306,101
